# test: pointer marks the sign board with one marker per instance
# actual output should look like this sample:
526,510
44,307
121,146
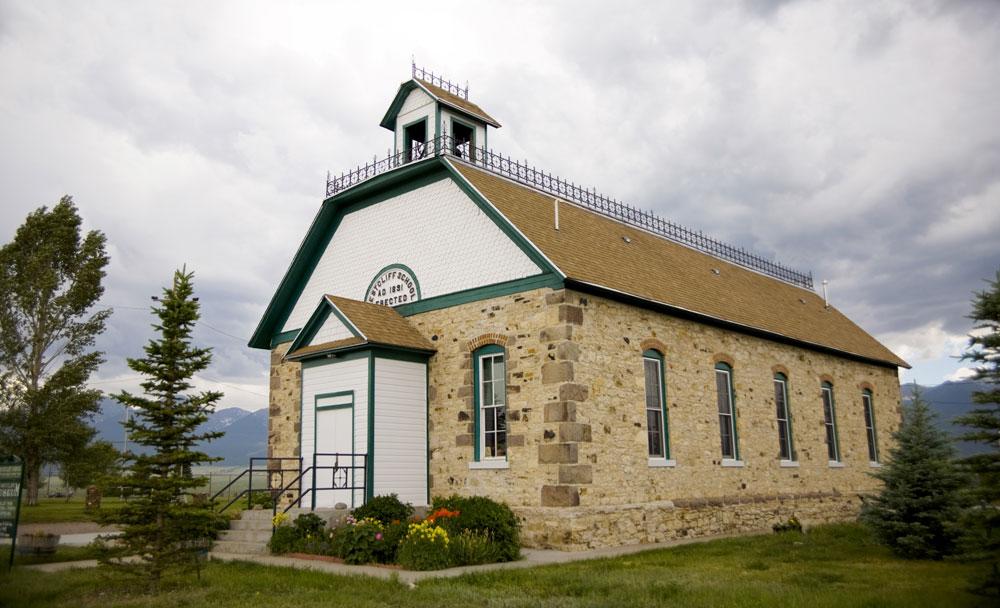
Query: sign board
392,286
11,481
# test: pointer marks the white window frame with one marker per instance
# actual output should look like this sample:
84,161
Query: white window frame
830,424
868,405
734,458
780,380
481,361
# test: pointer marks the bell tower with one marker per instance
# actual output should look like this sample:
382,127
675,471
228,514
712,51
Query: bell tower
430,113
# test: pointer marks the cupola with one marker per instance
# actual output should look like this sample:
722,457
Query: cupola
429,108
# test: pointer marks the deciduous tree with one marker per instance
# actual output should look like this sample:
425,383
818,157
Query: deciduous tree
50,281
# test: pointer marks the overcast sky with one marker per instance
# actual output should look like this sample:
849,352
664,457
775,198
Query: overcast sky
860,140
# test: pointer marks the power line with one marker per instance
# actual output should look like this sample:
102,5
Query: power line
232,386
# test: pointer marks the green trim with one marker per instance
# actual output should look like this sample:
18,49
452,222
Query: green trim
657,356
486,292
284,336
399,181
489,349
437,122
871,408
833,420
404,267
792,455
529,249
316,321
406,140
389,119
370,468
732,403
464,124
317,408
427,429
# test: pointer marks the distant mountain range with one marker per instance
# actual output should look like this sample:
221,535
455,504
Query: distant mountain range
949,401
245,432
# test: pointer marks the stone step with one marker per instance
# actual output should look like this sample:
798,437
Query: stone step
246,536
242,548
250,524
256,515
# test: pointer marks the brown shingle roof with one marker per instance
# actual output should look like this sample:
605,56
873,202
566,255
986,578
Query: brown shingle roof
380,325
460,103
590,248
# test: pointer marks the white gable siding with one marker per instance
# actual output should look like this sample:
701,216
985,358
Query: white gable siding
330,376
332,329
401,430
417,105
435,230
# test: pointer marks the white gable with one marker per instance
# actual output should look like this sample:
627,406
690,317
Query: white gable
417,105
332,329
436,231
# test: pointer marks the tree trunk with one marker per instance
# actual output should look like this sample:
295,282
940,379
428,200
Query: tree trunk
33,469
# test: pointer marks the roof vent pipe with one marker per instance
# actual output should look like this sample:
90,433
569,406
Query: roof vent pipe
826,300
555,209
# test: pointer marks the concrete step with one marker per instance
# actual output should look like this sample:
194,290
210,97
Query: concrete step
250,524
241,548
246,536
257,515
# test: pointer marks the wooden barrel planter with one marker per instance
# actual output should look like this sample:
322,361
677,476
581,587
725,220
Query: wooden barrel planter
40,543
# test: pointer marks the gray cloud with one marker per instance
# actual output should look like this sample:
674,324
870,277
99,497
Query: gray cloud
857,139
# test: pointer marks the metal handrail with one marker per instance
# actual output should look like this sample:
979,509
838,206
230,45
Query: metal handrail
250,471
335,467
529,175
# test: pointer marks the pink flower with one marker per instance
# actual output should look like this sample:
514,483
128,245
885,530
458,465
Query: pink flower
378,536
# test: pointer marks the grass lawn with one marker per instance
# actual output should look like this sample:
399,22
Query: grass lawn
63,554
831,566
52,510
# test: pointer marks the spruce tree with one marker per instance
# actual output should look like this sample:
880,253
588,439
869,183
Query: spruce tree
983,426
917,511
162,523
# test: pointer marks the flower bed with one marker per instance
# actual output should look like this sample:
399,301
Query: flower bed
458,532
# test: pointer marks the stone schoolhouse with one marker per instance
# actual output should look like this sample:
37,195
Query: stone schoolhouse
457,322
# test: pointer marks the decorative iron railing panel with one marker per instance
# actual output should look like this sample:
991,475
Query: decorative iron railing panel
439,81
528,175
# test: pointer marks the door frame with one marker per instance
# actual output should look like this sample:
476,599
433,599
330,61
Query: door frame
317,408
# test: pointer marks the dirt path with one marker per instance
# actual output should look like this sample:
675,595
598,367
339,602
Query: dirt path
68,527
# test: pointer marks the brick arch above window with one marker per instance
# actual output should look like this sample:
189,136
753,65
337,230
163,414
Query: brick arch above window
826,378
724,358
484,339
867,386
653,344
780,369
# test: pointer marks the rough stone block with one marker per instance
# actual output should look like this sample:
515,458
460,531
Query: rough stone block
568,351
573,392
576,473
556,297
560,411
560,496
556,453
570,314
463,441
574,431
557,371
515,441
553,334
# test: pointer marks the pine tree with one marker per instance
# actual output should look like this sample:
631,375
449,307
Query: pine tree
917,511
162,523
983,424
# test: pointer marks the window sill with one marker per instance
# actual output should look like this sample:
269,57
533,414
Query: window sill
661,462
875,465
835,464
499,463
734,464
789,464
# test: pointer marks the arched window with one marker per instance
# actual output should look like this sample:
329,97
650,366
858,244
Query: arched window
830,421
658,440
727,411
784,417
866,402
490,378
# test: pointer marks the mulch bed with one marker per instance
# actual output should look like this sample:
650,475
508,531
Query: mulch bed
335,560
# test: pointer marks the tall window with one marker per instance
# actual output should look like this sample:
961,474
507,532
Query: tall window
727,413
491,403
866,400
830,420
656,413
784,419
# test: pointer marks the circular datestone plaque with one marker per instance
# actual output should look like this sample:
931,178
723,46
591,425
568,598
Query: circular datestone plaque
392,286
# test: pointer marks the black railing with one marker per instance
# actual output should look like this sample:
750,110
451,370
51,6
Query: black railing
439,81
347,472
274,468
533,177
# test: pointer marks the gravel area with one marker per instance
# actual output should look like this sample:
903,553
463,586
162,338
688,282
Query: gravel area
69,527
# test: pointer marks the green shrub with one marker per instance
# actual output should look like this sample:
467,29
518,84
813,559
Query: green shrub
309,525
393,535
482,515
385,509
471,548
424,548
360,542
261,499
792,525
284,540
305,535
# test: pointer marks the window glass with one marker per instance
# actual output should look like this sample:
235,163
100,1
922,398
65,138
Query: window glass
784,425
866,400
830,421
656,436
727,428
491,394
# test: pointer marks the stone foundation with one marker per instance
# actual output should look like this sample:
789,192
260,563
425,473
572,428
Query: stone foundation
580,528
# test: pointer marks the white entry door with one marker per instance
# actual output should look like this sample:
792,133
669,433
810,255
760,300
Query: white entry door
334,446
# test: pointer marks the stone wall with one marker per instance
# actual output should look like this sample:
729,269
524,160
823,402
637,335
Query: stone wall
283,420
